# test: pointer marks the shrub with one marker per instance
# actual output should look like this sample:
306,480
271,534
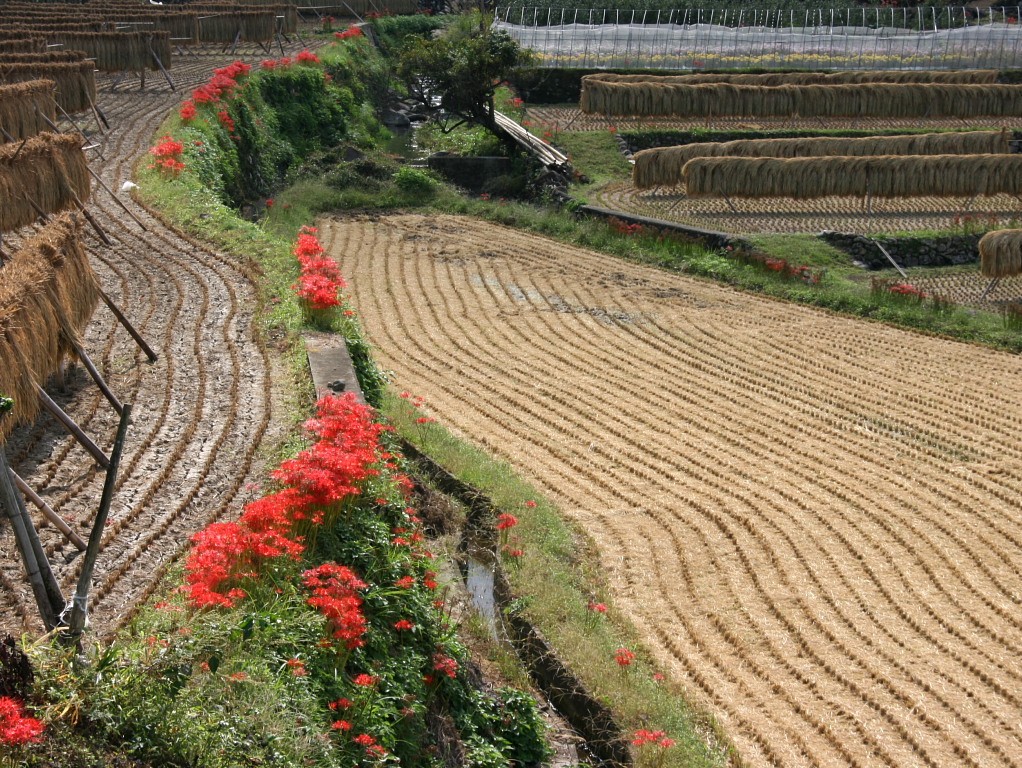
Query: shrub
415,182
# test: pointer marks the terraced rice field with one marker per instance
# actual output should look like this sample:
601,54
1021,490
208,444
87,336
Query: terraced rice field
783,215
814,521
568,117
201,412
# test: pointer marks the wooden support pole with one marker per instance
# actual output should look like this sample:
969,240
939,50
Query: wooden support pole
36,578
237,39
990,287
69,424
47,511
100,117
95,224
163,69
116,198
80,602
129,327
80,131
96,377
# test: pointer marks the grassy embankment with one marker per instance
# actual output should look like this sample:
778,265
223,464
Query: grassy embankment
238,667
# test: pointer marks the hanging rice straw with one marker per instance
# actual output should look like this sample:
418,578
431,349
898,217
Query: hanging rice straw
75,80
48,292
50,169
1000,253
22,107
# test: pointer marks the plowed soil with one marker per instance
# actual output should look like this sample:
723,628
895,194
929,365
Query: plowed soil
201,411
812,520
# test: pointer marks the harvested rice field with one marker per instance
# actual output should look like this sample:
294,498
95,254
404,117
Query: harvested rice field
782,215
812,520
568,117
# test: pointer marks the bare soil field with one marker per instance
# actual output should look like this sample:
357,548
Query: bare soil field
201,412
813,520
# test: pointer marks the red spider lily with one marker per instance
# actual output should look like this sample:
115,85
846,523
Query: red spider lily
623,657
597,607
505,521
445,665
188,111
349,33
307,57
404,625
405,582
530,505
226,120
341,725
365,681
907,289
335,594
657,738
17,728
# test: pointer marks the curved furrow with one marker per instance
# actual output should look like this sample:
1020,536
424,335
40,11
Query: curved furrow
495,348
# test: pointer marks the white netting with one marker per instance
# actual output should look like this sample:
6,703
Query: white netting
591,39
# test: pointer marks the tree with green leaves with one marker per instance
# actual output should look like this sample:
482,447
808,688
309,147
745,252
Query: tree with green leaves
461,70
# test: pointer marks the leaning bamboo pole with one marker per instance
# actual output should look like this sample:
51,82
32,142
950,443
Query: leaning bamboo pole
1000,253
883,100
47,173
25,107
75,81
48,292
662,166
812,177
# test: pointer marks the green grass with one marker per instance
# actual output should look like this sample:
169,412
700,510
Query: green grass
563,560
596,155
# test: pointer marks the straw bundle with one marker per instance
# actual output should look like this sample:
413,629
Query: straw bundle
863,100
22,107
118,51
48,292
255,27
960,77
662,166
50,169
50,57
811,177
23,45
75,81
1000,253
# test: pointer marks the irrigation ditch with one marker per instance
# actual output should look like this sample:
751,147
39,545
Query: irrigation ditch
599,740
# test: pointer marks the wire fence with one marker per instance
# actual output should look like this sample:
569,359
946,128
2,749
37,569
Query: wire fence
867,38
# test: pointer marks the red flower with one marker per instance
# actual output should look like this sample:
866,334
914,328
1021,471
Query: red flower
623,657
364,739
403,625
445,665
597,607
657,738
405,582
188,111
269,202
506,520
365,681
307,57
16,727
341,725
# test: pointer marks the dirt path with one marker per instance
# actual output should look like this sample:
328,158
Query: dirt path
200,413
814,521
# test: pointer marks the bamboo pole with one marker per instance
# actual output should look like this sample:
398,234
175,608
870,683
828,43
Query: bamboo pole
129,327
47,511
86,442
80,602
36,578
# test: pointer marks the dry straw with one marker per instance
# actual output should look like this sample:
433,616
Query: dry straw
960,77
49,57
23,45
48,292
811,177
22,109
1000,253
75,80
883,100
49,170
119,51
223,27
663,166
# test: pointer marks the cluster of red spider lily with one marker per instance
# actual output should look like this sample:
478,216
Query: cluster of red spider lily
17,728
320,280
168,156
316,486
